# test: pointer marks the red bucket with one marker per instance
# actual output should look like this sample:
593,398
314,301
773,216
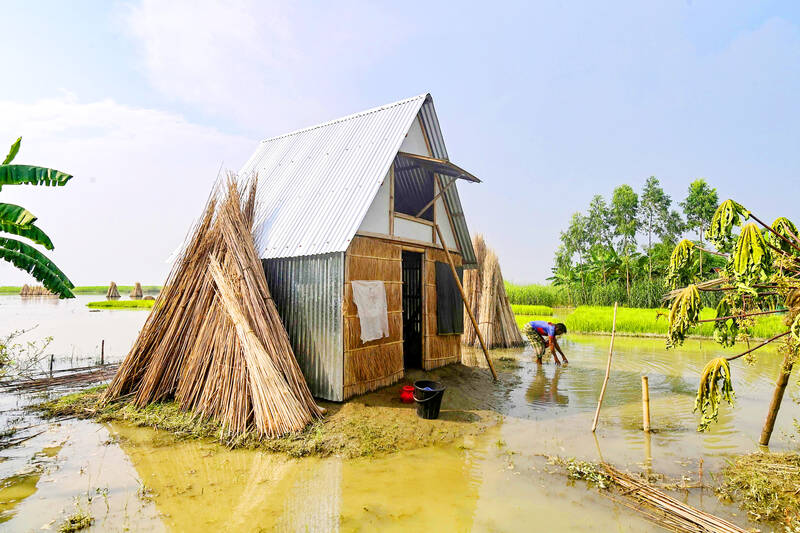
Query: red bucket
407,394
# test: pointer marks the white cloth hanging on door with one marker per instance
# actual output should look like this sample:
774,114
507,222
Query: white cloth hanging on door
370,300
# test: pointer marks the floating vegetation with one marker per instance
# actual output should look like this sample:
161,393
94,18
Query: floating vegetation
591,472
77,521
766,486
121,304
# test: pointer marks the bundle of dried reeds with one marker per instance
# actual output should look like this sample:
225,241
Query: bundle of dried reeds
35,290
486,296
214,340
113,291
136,292
665,510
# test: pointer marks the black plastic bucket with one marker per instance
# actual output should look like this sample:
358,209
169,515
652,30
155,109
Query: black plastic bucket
428,401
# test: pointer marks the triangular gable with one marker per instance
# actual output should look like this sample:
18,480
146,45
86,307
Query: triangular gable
316,184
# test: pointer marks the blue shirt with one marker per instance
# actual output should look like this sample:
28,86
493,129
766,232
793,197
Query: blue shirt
543,328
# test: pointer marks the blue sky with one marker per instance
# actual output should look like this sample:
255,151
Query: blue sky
549,103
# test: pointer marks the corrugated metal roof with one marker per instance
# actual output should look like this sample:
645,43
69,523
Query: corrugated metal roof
316,184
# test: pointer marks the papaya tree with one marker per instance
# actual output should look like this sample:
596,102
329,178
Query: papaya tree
19,222
761,277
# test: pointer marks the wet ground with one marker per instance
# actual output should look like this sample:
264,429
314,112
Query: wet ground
498,480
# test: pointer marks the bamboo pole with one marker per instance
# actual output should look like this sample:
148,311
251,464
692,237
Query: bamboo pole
777,398
645,405
464,299
608,370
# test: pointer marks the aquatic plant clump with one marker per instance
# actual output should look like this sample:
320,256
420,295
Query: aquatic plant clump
765,485
715,386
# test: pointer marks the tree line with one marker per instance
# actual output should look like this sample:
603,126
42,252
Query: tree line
619,249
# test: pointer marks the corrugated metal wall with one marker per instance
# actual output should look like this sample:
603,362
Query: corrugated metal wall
308,294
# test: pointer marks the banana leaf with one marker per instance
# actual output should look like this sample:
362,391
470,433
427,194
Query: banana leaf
31,231
38,270
32,175
25,249
15,214
12,153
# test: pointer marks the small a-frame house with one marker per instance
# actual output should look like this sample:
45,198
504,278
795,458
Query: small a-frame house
359,198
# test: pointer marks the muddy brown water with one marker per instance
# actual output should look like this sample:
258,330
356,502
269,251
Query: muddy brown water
141,479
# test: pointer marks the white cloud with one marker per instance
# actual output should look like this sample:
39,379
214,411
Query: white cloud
141,177
270,66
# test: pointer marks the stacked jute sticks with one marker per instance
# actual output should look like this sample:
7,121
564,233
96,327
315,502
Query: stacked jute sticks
486,296
214,340
664,510
113,291
35,290
136,292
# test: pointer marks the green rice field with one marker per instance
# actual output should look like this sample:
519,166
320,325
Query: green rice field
121,304
89,289
634,321
539,310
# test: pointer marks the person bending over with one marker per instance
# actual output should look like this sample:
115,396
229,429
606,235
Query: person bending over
543,336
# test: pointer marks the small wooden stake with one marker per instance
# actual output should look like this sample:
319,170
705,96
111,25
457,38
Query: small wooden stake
52,358
102,352
608,370
775,404
466,303
645,404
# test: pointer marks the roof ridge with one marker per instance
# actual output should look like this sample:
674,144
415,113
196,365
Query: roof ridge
347,117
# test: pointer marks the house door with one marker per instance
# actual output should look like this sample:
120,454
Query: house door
412,309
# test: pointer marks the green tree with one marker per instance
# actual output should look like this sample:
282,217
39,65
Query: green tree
598,225
576,240
18,221
762,270
624,211
698,208
654,216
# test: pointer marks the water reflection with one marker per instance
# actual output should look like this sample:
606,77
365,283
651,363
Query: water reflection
543,391
77,331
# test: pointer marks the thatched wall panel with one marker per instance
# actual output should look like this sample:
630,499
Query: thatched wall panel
352,331
371,368
394,298
375,364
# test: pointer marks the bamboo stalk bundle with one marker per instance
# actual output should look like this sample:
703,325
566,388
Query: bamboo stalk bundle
136,292
34,290
486,296
214,340
667,511
113,291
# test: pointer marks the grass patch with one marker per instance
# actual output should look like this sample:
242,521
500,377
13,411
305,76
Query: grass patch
102,289
121,304
766,485
89,289
372,424
525,309
77,521
534,294
8,289
637,321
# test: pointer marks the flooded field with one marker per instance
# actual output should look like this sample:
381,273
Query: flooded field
140,479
